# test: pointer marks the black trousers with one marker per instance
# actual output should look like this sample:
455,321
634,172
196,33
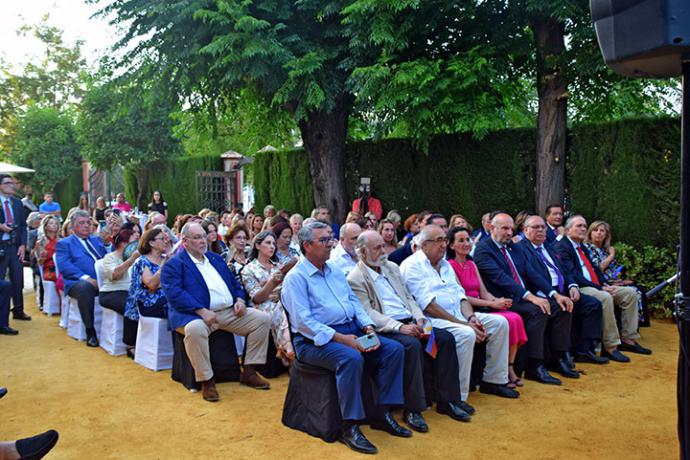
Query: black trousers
587,324
558,326
85,294
116,300
535,327
16,267
413,381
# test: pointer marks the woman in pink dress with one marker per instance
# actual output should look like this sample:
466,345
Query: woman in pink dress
459,247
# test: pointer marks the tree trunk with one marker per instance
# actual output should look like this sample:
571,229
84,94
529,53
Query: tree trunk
552,88
142,197
324,134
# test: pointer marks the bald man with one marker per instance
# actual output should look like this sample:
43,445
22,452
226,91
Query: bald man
344,256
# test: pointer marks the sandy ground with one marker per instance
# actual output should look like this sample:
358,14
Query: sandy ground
111,408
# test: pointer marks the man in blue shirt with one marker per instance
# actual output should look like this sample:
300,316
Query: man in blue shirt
326,319
49,206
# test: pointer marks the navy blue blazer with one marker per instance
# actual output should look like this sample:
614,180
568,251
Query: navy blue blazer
19,219
186,290
540,268
551,234
401,253
570,261
74,261
496,273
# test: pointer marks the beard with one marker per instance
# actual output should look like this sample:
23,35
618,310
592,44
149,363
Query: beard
379,262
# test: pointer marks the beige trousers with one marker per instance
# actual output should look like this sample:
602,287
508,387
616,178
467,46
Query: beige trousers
626,299
254,324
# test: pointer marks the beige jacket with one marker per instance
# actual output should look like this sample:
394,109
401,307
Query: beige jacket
364,288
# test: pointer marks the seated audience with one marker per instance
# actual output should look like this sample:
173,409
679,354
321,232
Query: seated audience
284,253
76,256
459,248
236,255
576,260
484,230
586,328
506,273
411,228
518,231
353,217
459,221
344,255
262,279
99,210
326,320
47,245
146,298
387,231
425,218
121,204
67,228
114,288
432,282
255,225
554,223
269,211
381,290
133,239
211,230
203,295
323,214
296,221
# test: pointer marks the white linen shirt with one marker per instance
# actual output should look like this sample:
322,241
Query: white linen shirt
217,289
392,305
341,260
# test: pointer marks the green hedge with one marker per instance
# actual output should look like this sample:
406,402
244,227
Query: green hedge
67,192
176,179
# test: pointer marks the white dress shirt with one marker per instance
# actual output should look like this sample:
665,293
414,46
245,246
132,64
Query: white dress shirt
392,305
341,260
218,291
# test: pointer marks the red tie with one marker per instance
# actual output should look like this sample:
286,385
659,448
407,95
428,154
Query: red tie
516,277
9,220
588,266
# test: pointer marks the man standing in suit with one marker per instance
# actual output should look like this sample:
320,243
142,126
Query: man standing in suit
554,222
586,309
379,286
506,274
577,261
327,319
76,258
12,243
203,295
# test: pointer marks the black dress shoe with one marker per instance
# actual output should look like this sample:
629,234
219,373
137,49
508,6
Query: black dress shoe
3,392
590,357
390,426
21,316
561,366
569,360
38,446
539,374
497,390
454,411
634,348
464,405
615,355
91,341
353,438
6,330
415,421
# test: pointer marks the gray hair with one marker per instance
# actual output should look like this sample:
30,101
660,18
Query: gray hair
531,218
296,217
187,227
424,235
571,220
79,213
394,217
362,240
306,233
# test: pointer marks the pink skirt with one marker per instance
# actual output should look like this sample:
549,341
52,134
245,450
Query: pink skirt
516,335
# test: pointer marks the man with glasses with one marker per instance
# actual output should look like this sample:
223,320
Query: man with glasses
505,273
13,237
327,319
76,258
432,282
203,296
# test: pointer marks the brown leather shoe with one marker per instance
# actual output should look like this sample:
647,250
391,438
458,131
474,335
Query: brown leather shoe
208,391
254,380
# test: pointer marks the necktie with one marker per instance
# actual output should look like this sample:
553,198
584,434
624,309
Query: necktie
514,272
9,219
588,265
559,275
91,249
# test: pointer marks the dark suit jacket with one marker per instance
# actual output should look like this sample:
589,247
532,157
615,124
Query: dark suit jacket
19,219
570,261
74,261
496,273
551,234
186,290
401,253
540,268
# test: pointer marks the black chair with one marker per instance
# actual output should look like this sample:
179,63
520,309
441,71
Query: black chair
224,362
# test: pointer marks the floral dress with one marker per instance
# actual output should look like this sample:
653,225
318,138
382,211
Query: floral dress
285,258
139,295
254,277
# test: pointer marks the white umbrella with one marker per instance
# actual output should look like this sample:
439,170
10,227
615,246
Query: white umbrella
8,168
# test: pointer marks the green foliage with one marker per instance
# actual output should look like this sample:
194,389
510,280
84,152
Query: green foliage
68,190
626,173
649,266
176,179
46,142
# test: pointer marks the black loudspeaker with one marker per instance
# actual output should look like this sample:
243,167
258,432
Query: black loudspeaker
643,38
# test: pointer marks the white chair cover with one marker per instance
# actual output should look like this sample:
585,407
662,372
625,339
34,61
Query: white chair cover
154,344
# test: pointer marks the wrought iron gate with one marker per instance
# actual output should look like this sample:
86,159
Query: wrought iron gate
217,190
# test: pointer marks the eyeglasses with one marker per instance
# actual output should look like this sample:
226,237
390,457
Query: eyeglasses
7,182
440,239
325,240
537,227
197,237
162,238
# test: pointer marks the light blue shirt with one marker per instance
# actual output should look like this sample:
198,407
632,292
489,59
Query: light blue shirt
316,300
49,207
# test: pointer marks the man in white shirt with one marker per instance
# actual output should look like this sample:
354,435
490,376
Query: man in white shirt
344,256
431,280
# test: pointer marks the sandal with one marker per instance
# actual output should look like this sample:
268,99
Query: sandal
514,383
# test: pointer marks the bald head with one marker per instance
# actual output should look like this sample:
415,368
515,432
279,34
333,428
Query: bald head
371,249
348,237
535,230
502,228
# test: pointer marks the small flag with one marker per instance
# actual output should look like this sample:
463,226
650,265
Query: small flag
431,345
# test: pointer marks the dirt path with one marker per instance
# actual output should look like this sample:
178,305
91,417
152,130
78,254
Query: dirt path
111,408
